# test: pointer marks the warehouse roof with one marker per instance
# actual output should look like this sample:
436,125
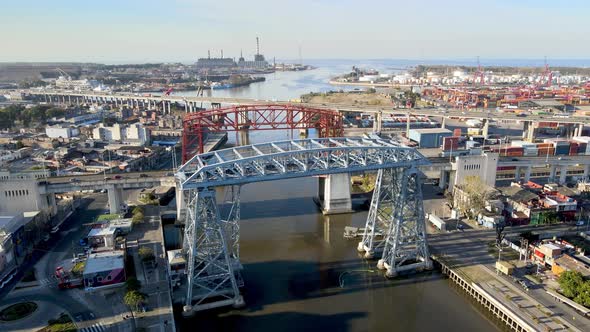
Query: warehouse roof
432,131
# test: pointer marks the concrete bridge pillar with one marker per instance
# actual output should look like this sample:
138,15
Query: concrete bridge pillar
485,128
586,171
336,190
377,122
562,174
444,175
115,199
180,203
443,123
552,171
517,174
580,129
527,173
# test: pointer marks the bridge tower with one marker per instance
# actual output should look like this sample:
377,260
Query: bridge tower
387,187
211,279
406,246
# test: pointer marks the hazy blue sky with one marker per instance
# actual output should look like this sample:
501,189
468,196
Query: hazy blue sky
182,30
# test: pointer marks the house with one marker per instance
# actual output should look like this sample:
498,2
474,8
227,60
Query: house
104,269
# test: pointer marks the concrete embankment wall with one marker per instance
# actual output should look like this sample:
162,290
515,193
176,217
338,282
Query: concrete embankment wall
496,308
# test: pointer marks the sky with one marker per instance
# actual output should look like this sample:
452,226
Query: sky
117,31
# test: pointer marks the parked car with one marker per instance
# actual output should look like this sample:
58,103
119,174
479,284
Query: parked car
74,180
117,177
143,175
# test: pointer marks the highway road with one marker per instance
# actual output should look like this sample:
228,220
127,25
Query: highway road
468,114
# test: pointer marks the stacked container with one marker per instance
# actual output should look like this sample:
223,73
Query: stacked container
457,132
450,143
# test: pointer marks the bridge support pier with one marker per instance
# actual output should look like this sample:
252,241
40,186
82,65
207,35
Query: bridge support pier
562,174
115,199
485,128
336,190
406,245
552,171
211,281
586,172
527,173
381,211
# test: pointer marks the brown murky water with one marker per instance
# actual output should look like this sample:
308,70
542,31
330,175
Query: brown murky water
301,274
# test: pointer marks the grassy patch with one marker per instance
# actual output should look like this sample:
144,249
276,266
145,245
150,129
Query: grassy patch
18,311
62,324
107,217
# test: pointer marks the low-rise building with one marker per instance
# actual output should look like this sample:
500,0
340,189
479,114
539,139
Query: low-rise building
104,269
61,131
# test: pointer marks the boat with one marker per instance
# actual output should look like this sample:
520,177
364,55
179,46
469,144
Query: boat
219,86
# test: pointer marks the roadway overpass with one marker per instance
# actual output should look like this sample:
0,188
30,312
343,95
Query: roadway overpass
114,186
554,167
191,102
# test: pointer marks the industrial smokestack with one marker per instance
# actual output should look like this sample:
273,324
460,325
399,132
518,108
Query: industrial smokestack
257,46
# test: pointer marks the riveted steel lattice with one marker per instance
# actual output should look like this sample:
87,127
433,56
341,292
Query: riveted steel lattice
212,244
387,188
406,245
210,275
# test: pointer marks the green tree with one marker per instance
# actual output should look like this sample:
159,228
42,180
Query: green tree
134,299
19,145
137,218
583,296
137,210
132,284
570,283
146,254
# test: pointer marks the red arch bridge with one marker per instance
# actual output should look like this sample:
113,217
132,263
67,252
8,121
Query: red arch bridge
196,126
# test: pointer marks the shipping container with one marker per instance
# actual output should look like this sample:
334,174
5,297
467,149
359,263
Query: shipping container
457,132
450,143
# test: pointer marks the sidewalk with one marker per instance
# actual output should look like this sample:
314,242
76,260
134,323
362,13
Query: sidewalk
154,281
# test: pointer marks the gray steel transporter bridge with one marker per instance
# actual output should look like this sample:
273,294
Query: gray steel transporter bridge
211,244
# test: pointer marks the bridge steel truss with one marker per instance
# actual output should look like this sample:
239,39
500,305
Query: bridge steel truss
256,117
212,243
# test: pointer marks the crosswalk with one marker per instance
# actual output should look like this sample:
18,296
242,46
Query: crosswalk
98,327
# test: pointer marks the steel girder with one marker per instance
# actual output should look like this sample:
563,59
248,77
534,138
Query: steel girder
406,245
212,244
294,158
211,281
256,117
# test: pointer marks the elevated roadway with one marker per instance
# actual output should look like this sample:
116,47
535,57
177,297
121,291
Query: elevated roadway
190,103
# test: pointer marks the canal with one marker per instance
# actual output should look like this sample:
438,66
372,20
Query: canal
301,274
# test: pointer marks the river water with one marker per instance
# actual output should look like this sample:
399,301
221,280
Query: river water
300,273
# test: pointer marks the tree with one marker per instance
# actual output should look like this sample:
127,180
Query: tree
475,195
137,218
146,254
132,284
19,145
137,210
570,283
134,299
583,296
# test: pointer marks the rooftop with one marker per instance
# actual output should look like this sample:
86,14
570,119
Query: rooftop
518,194
104,261
432,131
572,264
